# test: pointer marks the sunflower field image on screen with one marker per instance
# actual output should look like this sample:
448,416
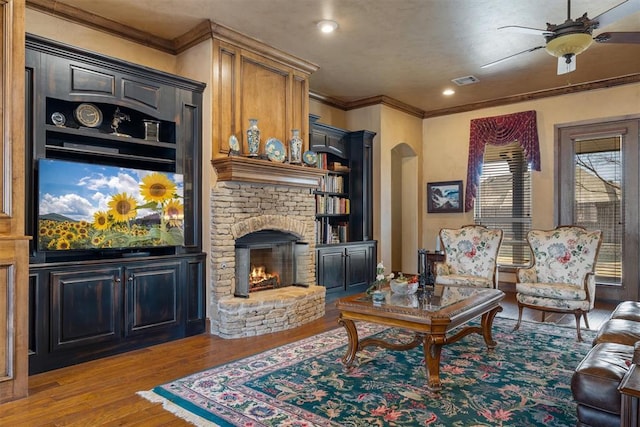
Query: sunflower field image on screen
88,206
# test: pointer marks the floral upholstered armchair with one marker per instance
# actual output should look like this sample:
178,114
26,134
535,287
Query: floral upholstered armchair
562,278
470,256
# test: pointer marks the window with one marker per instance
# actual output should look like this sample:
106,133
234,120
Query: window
503,200
598,200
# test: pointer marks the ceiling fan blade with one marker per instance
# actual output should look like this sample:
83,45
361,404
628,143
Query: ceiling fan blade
619,37
526,30
506,58
618,12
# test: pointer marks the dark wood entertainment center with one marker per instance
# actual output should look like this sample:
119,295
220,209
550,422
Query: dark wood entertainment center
89,304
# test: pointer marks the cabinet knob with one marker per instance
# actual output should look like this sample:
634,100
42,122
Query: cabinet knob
116,279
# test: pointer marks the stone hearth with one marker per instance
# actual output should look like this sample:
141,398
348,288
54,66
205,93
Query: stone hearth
253,195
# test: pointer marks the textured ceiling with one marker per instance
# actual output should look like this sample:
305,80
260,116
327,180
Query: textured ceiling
409,50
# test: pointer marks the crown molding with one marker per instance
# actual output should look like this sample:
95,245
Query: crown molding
367,102
194,36
531,96
328,100
394,103
386,101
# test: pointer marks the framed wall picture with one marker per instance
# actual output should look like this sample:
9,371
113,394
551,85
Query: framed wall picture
444,197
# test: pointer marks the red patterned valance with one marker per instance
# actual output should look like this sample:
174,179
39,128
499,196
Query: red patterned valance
500,130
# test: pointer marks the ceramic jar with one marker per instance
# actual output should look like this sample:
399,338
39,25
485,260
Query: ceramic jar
253,138
295,147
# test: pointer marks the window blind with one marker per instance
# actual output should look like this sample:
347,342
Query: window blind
598,203
504,200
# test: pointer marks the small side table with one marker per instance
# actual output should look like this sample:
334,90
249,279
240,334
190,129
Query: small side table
630,390
433,257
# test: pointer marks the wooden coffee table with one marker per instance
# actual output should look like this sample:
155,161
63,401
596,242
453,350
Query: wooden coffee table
430,318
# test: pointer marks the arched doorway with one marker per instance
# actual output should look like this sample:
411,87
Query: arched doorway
404,208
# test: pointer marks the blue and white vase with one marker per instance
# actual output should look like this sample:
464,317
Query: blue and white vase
253,138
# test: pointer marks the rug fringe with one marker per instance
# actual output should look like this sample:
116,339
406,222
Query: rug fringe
176,410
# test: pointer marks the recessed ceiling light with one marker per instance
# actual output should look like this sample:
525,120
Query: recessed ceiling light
448,92
327,26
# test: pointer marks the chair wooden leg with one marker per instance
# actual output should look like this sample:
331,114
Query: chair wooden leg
586,321
520,308
578,316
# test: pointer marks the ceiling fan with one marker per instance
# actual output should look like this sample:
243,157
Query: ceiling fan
573,36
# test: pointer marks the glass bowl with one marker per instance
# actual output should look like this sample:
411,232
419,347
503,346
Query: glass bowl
404,287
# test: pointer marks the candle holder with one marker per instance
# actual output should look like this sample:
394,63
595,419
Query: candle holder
422,268
151,130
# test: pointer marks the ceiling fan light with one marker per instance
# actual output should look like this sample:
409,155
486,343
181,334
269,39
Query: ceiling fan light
568,44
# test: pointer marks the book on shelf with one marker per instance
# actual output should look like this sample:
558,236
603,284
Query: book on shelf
321,161
332,205
332,184
320,199
337,167
326,233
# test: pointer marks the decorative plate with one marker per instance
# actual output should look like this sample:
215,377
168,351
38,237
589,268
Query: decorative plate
309,158
233,143
275,150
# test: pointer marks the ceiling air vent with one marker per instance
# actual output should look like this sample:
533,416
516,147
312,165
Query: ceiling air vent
467,80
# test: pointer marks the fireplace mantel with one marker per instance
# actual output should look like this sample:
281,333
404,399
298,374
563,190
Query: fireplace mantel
245,169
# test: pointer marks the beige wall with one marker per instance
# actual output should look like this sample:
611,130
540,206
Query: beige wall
399,184
446,146
64,31
328,115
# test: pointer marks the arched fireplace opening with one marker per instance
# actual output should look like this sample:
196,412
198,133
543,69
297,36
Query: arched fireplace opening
267,259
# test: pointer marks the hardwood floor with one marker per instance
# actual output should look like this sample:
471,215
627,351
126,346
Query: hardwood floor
102,392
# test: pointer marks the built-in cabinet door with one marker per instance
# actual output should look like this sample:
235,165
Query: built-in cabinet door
346,268
331,270
85,308
152,298
358,266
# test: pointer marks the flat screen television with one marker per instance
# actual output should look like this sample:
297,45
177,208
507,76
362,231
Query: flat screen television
83,206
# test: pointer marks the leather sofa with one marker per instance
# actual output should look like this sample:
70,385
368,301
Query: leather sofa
596,380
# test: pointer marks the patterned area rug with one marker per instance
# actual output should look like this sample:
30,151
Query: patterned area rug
525,381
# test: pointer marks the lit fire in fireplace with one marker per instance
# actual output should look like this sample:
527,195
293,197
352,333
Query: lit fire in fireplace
259,279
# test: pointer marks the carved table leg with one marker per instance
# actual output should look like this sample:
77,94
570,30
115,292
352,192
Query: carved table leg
432,348
352,348
487,322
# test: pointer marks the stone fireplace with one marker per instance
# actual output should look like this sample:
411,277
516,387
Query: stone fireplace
254,204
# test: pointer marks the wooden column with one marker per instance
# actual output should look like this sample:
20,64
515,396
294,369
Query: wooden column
14,262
